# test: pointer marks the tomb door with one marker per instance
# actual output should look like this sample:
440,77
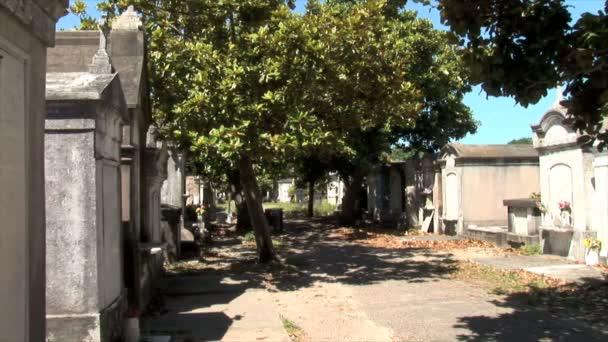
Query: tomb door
451,196
560,187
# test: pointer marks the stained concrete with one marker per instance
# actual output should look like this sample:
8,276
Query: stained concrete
27,28
84,288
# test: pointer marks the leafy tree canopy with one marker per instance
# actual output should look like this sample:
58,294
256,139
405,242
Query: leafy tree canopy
521,141
522,48
247,82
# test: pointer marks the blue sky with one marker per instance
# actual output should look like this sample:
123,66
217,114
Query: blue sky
501,118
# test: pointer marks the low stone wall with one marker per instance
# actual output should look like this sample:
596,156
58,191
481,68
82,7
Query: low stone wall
565,242
555,241
493,235
500,236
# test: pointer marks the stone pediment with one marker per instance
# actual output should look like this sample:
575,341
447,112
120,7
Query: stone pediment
551,131
126,48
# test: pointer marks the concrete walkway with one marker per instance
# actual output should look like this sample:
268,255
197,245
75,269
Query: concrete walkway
213,308
333,289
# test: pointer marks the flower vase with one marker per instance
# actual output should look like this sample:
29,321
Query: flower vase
592,257
566,218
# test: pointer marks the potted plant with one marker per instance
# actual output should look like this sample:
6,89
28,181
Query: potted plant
540,206
200,213
592,253
566,212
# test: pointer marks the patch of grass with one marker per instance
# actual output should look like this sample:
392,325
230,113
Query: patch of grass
324,208
321,208
279,245
529,250
249,238
501,282
587,302
224,206
293,330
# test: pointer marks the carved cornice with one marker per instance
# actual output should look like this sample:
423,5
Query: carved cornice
39,16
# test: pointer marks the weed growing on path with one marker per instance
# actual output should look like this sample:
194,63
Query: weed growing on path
293,330
529,250
280,246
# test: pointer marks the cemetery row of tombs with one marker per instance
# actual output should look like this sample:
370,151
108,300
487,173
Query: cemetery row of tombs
106,175
113,194
553,193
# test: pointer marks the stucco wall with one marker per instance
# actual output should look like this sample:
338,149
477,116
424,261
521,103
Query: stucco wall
484,187
23,41
71,220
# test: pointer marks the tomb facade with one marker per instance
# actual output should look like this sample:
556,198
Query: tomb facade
27,28
475,179
85,293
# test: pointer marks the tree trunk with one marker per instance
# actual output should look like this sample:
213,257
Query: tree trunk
349,211
243,223
311,199
236,194
256,212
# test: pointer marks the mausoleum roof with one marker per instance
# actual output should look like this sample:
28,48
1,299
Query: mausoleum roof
514,151
74,51
65,86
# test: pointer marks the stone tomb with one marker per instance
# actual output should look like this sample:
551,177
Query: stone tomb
27,28
85,287
173,201
140,214
151,245
566,174
402,192
475,179
386,192
523,221
335,189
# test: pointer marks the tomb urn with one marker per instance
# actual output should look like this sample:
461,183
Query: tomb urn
565,213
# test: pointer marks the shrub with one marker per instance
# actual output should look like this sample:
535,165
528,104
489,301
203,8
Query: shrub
530,250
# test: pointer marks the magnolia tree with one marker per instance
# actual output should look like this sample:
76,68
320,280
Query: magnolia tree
377,76
247,83
524,48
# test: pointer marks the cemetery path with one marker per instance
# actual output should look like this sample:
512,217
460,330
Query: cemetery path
330,287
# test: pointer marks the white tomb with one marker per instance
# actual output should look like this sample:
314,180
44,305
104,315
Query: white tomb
566,175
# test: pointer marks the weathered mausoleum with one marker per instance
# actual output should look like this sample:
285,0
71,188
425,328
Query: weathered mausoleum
574,176
77,67
27,28
476,179
83,133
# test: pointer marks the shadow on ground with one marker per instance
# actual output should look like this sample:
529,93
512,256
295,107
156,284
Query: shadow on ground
316,254
573,312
